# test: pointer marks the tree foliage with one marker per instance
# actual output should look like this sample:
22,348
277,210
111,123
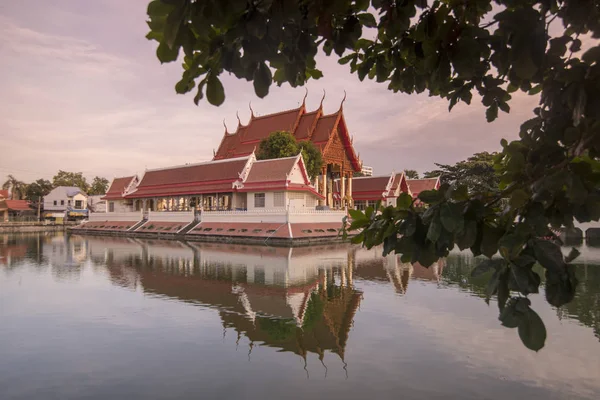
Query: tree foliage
476,173
17,188
99,186
450,49
64,178
283,144
38,189
411,174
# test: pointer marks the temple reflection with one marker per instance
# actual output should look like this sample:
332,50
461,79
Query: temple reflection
300,300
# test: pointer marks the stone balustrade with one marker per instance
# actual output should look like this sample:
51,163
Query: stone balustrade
116,216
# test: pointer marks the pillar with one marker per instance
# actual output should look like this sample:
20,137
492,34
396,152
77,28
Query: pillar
342,189
324,184
350,200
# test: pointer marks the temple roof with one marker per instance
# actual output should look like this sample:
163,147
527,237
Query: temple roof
118,188
418,185
3,194
271,170
207,177
314,126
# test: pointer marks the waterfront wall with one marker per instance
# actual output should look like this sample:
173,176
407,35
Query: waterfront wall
10,227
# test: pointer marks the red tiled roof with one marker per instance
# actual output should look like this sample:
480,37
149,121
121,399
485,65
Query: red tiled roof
17,205
209,177
306,125
324,128
3,194
271,170
312,126
263,126
418,185
400,179
370,184
117,187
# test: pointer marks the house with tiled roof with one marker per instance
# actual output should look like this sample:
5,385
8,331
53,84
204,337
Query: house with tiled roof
14,208
115,195
368,190
417,186
328,132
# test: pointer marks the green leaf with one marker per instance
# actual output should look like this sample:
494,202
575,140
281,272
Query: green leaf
172,25
573,254
357,215
435,228
549,255
526,280
165,53
404,201
489,241
492,112
518,199
215,94
492,285
509,316
485,266
158,8
367,20
532,330
430,196
262,80
467,236
451,219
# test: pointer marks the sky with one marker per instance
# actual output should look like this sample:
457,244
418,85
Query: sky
82,90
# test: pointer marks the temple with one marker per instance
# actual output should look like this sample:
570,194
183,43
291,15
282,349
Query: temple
328,132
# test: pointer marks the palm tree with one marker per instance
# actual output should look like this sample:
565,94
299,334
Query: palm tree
16,187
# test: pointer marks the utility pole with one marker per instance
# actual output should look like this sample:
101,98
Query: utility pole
39,206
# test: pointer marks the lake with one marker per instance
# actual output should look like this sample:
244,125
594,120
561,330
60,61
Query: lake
85,317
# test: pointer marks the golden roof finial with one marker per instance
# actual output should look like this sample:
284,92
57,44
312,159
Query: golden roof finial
323,98
237,114
343,100
305,95
226,131
251,110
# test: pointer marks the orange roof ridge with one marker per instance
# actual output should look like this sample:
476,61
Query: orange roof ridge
254,117
200,163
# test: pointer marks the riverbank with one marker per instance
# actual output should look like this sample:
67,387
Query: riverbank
271,241
15,227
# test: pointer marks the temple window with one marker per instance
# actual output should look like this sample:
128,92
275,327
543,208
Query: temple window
259,200
111,206
360,204
279,199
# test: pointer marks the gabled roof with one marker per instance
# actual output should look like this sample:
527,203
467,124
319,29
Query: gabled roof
271,170
313,126
206,177
118,187
418,185
275,175
66,191
370,187
3,194
15,205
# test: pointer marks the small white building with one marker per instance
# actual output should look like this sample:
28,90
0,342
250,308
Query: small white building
65,201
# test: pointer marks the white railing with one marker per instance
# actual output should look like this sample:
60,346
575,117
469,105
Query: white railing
275,215
116,216
171,216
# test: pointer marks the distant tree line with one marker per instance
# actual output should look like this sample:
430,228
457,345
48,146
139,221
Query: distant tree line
41,187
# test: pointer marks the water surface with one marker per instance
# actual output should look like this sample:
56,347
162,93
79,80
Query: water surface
111,318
